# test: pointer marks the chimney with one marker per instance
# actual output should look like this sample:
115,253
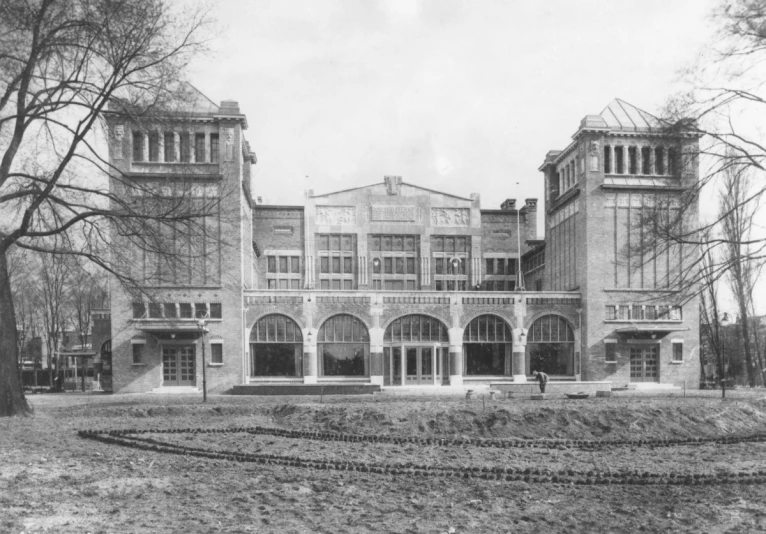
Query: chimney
531,204
229,107
508,205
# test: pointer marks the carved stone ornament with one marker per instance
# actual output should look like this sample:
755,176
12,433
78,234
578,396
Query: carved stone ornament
393,184
594,153
119,132
329,215
229,135
450,217
393,213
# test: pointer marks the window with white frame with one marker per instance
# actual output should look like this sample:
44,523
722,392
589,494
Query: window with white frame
678,351
451,255
394,260
137,345
283,271
610,350
216,351
499,273
337,268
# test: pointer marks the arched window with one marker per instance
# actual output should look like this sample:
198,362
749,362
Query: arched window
416,328
344,345
487,346
550,346
276,347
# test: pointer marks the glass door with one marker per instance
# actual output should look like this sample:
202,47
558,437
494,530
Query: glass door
178,366
643,364
420,366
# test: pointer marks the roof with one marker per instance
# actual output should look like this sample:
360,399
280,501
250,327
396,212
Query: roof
194,101
379,184
620,115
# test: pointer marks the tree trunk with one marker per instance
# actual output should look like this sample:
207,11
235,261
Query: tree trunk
12,401
746,341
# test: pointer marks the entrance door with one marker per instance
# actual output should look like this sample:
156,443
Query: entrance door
420,365
178,365
644,364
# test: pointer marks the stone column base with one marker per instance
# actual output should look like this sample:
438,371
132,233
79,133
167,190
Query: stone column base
310,379
456,380
520,379
376,380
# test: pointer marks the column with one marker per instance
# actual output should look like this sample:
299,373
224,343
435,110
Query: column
161,146
310,363
651,160
207,147
145,140
665,161
177,146
639,160
519,360
456,356
376,350
403,356
611,159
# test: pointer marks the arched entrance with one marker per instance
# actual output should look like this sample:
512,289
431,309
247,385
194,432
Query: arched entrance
415,352
276,348
550,346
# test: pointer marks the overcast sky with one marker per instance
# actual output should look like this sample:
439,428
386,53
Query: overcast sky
454,95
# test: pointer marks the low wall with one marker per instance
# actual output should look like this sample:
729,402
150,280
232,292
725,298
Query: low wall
553,388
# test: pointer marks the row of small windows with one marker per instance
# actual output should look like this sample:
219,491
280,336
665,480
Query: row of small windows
611,354
177,310
181,147
636,312
534,261
647,160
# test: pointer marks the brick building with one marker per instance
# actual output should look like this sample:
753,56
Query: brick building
395,285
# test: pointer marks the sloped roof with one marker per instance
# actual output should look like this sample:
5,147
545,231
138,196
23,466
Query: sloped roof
382,184
620,115
194,101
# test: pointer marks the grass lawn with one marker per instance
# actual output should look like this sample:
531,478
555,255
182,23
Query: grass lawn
477,466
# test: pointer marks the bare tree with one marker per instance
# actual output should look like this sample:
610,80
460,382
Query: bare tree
63,65
54,279
737,225
710,314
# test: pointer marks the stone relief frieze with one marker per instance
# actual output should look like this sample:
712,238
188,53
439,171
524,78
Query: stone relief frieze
336,215
393,213
450,216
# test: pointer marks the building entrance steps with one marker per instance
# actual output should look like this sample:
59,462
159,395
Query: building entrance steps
647,386
176,390
554,387
458,391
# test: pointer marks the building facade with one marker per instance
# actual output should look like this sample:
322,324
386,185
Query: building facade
396,285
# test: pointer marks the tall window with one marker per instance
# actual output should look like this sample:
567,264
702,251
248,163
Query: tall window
185,149
344,345
550,346
336,261
170,147
138,353
214,148
216,352
138,146
632,160
276,347
394,260
659,160
199,148
607,159
645,160
500,274
284,272
450,257
672,162
154,146
487,346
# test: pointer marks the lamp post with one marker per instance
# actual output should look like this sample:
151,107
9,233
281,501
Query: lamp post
724,322
202,323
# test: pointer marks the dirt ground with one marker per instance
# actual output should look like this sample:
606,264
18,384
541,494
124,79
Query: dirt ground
52,480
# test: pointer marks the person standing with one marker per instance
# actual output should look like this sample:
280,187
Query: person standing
542,379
